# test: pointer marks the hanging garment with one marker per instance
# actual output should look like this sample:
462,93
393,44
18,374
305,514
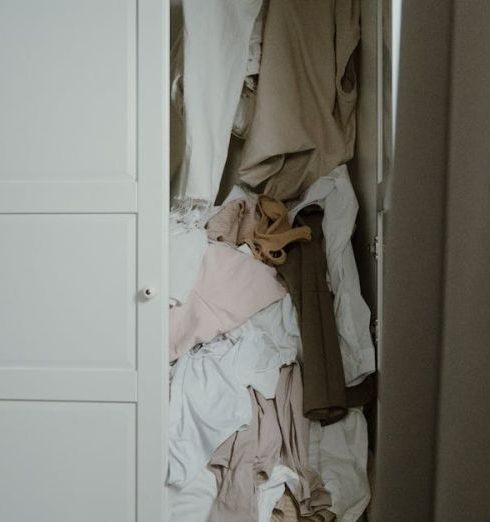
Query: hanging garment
335,195
246,109
231,177
287,511
186,250
215,54
233,223
231,287
304,123
324,397
246,105
339,454
276,435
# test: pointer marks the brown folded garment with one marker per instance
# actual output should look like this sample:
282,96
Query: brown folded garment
304,123
273,232
326,398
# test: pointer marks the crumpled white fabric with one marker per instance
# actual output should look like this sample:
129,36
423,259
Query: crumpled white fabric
193,502
269,340
334,193
271,491
186,250
208,403
216,50
209,400
339,453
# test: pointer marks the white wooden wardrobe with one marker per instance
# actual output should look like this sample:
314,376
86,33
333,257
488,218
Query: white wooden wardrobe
83,267
83,152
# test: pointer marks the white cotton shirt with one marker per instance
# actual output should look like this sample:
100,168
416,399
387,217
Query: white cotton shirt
269,340
339,452
215,57
334,193
208,403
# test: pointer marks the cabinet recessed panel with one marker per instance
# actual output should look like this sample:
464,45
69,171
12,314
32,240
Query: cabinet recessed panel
80,469
68,291
68,90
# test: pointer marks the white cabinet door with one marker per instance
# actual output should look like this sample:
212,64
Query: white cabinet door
83,203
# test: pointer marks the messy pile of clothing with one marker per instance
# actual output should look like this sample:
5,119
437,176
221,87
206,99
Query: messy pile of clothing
271,352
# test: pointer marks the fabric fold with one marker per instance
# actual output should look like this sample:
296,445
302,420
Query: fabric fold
231,287
277,434
335,195
216,40
304,122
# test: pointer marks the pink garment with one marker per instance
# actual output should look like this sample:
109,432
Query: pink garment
231,287
234,223
276,434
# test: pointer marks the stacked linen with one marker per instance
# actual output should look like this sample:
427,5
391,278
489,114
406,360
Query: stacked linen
242,345
236,394
237,430
209,388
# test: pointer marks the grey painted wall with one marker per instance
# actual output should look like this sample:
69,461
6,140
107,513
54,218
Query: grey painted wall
413,287
463,456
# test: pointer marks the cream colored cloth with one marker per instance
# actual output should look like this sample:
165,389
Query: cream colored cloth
304,123
287,511
277,433
234,223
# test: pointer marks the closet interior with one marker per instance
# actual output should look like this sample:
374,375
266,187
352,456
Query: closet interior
278,143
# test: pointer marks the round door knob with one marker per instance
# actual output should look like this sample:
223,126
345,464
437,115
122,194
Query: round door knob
149,293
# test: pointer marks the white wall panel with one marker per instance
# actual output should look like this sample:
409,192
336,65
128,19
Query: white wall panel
68,288
68,101
80,469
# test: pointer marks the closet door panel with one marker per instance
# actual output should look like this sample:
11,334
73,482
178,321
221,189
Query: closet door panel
68,286
68,100
83,213
81,468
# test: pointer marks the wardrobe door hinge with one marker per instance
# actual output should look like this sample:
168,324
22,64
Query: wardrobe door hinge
375,331
375,247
